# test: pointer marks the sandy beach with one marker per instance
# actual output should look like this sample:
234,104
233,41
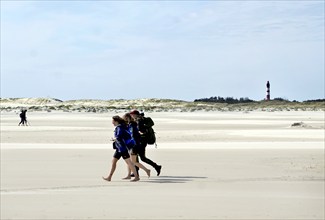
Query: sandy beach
216,165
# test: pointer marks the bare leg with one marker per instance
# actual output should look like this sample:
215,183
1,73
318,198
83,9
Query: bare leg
129,173
138,164
132,167
109,177
128,177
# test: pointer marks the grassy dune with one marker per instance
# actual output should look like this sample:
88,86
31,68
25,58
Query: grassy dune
151,105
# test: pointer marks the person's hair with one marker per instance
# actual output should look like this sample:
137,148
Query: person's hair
118,119
135,112
127,117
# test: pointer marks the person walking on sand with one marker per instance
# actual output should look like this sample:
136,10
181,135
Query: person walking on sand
143,140
120,137
133,129
23,119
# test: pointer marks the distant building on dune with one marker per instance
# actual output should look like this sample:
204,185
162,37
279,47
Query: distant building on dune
268,91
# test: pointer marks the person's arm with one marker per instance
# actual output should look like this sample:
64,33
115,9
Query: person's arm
118,134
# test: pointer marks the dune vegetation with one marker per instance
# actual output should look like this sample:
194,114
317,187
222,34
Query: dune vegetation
156,105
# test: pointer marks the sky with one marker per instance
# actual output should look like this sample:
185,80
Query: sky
182,50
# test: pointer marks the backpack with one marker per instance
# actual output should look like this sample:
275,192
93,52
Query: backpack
151,136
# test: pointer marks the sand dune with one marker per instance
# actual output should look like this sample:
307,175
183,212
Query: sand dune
150,105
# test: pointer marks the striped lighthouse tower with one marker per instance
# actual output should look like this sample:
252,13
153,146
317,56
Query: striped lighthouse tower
268,91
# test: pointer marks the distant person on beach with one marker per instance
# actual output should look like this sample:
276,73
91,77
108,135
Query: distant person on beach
23,118
133,129
121,135
139,118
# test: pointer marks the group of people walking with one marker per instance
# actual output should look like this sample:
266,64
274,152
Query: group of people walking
23,118
129,142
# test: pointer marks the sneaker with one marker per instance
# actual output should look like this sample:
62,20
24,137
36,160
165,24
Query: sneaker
158,169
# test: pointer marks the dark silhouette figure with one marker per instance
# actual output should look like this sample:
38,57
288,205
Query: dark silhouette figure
23,118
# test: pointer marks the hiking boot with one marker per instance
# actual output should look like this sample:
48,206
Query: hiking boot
158,169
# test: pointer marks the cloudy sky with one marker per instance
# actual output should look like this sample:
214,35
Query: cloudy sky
162,49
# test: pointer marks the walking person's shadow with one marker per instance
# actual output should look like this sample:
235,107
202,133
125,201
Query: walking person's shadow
172,179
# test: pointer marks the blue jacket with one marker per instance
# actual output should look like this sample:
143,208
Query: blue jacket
122,135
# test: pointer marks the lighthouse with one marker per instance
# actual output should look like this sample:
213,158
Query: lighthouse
268,91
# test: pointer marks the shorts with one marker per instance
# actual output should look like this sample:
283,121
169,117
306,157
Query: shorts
125,155
136,150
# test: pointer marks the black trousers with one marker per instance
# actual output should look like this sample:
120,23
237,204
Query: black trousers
142,155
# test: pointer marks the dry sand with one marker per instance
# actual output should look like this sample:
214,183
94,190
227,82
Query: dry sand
216,165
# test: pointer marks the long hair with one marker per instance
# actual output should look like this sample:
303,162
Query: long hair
118,119
128,118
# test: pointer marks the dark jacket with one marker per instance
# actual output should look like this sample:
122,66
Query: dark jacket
143,129
133,129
